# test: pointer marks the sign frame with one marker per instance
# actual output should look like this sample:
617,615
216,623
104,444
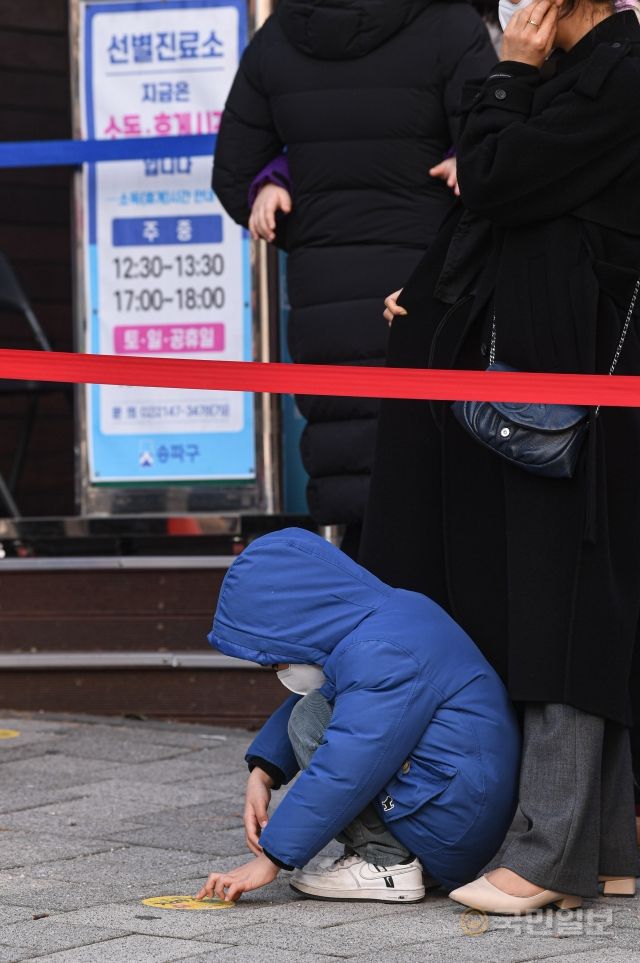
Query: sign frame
261,494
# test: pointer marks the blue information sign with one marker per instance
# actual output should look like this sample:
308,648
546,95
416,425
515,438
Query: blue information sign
167,271
142,232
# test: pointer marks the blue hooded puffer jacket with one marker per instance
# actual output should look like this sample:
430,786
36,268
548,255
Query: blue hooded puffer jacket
421,722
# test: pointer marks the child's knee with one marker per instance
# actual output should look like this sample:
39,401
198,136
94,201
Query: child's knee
307,723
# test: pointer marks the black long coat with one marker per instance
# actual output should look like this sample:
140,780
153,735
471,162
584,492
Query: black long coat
365,96
543,573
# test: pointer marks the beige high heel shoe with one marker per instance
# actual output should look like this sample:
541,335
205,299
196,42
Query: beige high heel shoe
618,885
483,895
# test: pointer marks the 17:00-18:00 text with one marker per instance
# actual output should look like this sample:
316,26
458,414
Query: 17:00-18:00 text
154,299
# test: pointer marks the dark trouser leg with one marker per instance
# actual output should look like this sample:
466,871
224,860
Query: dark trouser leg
366,835
566,753
618,847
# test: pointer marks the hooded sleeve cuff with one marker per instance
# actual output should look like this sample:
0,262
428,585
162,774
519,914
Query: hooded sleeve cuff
278,862
270,768
272,743
275,172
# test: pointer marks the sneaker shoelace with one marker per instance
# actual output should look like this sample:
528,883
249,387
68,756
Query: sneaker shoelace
346,860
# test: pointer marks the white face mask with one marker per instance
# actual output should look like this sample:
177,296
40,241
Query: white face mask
506,10
302,678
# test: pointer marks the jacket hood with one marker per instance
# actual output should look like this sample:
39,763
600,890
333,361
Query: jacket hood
292,597
344,29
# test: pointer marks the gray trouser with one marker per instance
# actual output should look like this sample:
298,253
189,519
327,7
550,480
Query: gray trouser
367,835
576,795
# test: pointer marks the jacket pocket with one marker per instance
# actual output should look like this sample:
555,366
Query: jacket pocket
413,786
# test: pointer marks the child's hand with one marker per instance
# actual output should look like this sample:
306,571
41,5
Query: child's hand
229,886
256,805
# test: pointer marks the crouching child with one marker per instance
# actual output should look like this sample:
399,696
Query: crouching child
405,739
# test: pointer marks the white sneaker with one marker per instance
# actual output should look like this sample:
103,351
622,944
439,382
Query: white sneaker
352,878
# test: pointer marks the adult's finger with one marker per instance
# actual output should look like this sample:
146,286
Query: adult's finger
548,25
534,12
539,9
540,19
543,37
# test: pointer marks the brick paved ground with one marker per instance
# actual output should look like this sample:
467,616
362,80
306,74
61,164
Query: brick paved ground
96,814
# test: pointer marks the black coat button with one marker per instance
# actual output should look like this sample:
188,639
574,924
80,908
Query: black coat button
616,45
483,349
500,94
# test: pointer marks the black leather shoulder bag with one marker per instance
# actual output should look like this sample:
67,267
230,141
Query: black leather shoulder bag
541,439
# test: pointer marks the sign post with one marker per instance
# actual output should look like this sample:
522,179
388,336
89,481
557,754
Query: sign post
162,269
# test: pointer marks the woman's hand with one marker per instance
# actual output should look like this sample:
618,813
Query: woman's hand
393,309
447,170
256,806
229,886
531,33
262,223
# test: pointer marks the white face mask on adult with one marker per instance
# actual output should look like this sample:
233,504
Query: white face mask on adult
302,678
506,10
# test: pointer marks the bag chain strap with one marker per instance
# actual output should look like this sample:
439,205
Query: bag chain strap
626,327
616,357
492,350
627,322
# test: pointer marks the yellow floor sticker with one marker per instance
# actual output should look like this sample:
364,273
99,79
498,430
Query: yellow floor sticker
9,733
186,903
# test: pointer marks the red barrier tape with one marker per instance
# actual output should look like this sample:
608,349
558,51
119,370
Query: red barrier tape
308,379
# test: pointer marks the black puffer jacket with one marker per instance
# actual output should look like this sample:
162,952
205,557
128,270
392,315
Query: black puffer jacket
364,95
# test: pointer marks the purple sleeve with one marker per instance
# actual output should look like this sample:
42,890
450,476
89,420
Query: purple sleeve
276,172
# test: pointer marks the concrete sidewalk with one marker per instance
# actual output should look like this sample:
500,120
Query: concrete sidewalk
97,814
